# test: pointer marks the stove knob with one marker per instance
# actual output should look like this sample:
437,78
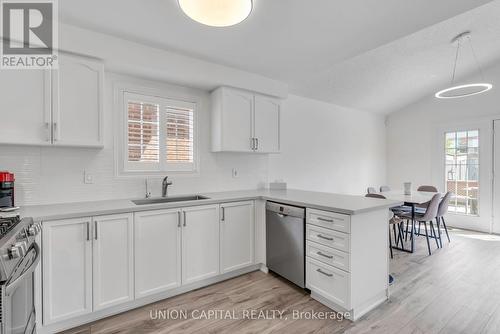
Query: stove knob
32,231
23,247
15,252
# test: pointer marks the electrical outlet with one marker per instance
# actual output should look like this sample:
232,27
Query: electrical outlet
88,178
235,173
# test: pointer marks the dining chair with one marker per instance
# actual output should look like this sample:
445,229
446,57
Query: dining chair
384,188
429,189
443,210
428,216
395,221
371,190
420,208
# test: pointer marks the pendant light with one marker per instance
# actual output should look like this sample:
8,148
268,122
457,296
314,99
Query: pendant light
457,91
217,13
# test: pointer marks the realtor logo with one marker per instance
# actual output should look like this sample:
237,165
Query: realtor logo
29,34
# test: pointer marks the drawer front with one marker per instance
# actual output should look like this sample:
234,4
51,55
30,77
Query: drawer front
331,283
331,220
328,255
328,237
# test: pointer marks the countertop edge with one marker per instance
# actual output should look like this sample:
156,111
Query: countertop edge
211,201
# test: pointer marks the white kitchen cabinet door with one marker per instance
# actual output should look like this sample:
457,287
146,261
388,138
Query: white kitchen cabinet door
66,269
233,115
25,107
237,235
157,239
200,243
77,93
113,260
267,124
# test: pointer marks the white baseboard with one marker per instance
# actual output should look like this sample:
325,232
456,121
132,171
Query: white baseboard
81,320
357,312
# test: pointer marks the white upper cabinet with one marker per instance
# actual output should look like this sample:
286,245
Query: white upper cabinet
113,260
66,269
25,107
244,122
54,107
77,102
200,243
157,236
267,124
237,235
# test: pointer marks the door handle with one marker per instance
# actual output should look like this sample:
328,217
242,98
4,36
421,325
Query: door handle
88,231
323,237
256,144
178,219
95,229
325,220
322,272
223,218
184,212
324,255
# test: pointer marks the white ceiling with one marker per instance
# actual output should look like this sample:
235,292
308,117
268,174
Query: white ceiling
369,54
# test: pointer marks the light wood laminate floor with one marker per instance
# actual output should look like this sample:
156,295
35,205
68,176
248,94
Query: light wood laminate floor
456,290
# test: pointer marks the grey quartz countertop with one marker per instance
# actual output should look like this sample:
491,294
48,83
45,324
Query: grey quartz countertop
347,204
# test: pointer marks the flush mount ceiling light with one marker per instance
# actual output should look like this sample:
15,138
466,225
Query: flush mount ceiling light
217,13
455,91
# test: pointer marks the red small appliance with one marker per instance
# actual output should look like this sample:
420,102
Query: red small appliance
6,189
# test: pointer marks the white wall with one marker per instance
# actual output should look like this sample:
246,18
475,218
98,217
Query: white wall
329,148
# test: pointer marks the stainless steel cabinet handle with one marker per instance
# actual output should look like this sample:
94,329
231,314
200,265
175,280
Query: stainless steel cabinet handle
178,219
252,144
184,212
322,272
55,135
323,237
95,229
325,220
256,143
223,218
88,231
324,255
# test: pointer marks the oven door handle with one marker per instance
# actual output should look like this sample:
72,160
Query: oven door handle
28,271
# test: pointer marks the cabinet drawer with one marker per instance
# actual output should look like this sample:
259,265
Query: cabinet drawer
328,255
331,220
331,283
328,237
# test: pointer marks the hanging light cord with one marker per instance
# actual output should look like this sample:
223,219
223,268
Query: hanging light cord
456,61
475,59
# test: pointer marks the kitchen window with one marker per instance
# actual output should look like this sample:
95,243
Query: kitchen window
462,171
159,134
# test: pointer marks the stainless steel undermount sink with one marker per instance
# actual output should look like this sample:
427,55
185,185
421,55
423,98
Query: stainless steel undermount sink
168,199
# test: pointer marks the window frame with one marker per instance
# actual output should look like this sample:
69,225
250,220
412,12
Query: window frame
164,96
478,197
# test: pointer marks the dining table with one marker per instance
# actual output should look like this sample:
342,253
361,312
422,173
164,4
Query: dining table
410,200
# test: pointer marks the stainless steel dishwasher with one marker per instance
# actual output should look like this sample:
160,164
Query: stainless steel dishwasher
285,225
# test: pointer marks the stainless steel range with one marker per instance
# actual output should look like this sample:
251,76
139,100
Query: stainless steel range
19,256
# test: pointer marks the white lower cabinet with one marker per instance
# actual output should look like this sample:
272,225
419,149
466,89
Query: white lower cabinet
66,269
236,235
328,281
94,264
157,236
200,243
113,261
